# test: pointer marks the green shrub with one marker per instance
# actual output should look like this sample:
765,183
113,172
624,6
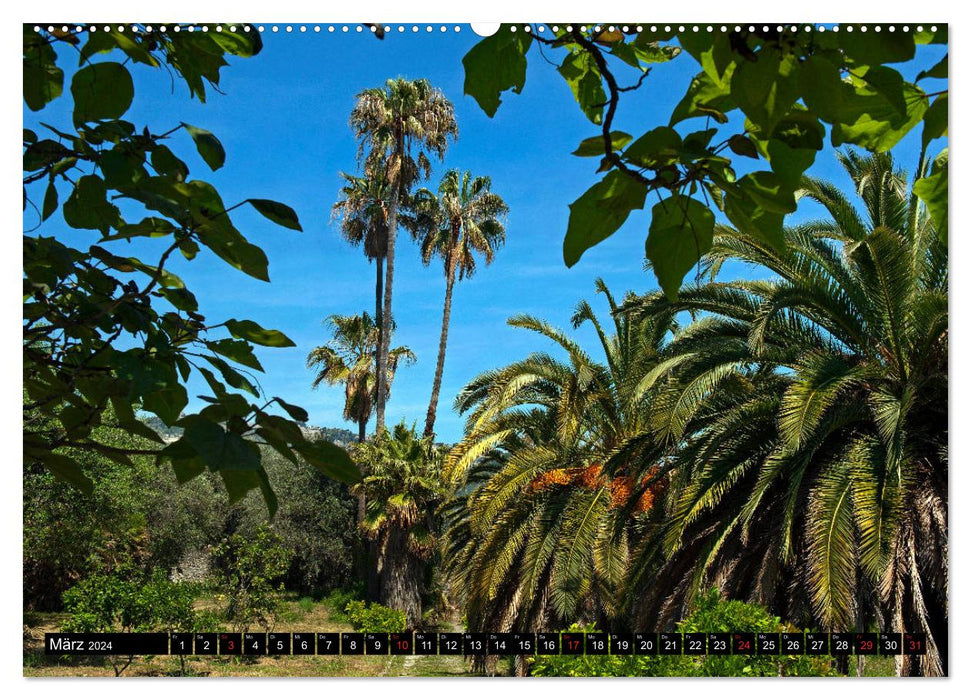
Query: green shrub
127,601
119,603
365,617
336,601
710,614
247,574
306,604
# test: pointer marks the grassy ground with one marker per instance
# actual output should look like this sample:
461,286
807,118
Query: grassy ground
296,615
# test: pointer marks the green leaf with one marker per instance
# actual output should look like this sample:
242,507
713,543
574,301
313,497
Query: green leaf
232,377
243,44
87,207
43,80
218,448
166,163
253,332
151,227
67,470
743,146
581,73
769,191
167,403
208,146
888,83
180,298
748,216
938,71
594,146
600,211
822,88
658,146
494,65
50,201
277,213
236,350
872,48
932,191
868,120
298,414
330,460
706,97
765,89
681,231
935,121
101,91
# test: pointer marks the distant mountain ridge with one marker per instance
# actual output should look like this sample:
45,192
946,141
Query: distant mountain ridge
339,436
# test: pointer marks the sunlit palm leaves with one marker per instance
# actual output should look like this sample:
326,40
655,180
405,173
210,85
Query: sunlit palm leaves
807,416
349,359
538,531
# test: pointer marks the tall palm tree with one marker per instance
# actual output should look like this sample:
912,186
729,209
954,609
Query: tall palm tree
363,215
537,533
349,359
807,415
463,219
403,486
398,127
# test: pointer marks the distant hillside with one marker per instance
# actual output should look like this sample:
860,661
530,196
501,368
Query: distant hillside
340,436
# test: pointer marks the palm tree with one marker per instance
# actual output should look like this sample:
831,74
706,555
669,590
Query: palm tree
807,415
363,215
349,359
397,127
537,533
462,220
403,487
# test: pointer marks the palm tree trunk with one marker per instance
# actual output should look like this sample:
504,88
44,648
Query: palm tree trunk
443,340
378,303
384,344
401,576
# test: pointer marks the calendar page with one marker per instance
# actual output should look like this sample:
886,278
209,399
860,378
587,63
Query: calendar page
444,349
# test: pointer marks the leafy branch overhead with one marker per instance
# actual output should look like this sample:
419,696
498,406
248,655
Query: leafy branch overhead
766,96
108,334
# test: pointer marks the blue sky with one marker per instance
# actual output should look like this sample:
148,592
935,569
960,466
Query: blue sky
282,119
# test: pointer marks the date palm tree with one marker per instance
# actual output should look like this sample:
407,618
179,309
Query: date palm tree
398,127
808,416
537,531
464,219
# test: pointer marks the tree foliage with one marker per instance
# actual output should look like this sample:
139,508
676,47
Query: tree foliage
350,358
762,104
711,613
547,483
103,328
402,486
463,219
248,577
808,411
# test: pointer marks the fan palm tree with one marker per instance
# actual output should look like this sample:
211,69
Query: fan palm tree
403,487
398,127
463,219
362,212
538,529
807,415
349,359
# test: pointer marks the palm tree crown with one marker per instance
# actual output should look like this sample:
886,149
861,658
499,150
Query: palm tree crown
811,408
462,220
349,359
397,128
